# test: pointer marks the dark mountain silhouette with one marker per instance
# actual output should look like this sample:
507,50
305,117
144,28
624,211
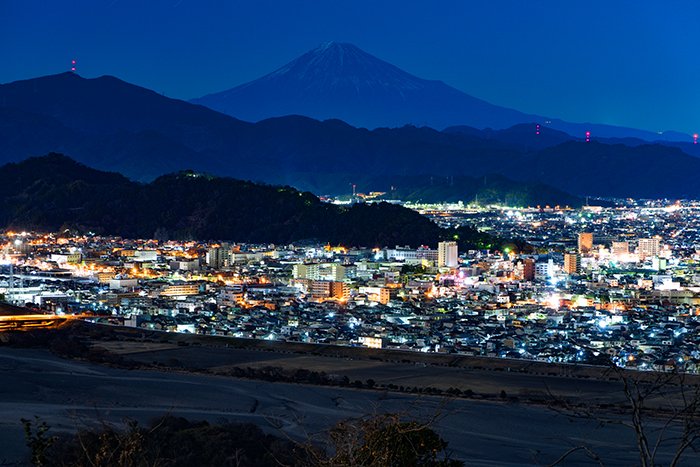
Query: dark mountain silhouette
488,189
644,171
523,137
54,192
106,104
112,125
339,80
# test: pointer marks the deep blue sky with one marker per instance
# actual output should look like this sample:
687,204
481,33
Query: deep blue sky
630,63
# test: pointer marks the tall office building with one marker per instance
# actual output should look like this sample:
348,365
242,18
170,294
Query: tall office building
572,263
649,247
447,254
585,242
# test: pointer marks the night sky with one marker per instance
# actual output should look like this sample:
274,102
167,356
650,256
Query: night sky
631,63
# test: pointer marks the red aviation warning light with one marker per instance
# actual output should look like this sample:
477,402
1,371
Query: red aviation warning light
695,138
588,136
72,65
537,129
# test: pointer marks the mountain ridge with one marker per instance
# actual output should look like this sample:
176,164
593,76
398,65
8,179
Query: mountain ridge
54,192
340,80
335,85
112,125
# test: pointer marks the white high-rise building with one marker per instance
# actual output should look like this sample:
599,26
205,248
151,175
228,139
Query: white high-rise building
319,271
447,254
544,270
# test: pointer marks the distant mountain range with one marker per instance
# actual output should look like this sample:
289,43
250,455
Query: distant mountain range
53,193
486,190
113,125
339,80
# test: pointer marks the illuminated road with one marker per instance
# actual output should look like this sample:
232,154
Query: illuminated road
14,318
24,322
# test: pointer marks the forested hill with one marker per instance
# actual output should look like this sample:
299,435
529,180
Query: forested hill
54,192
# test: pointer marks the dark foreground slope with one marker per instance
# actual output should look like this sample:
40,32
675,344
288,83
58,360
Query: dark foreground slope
75,394
54,192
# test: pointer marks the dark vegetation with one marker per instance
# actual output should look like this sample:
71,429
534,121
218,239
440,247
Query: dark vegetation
54,193
168,441
385,440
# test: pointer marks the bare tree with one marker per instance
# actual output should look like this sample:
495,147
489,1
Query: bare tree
661,408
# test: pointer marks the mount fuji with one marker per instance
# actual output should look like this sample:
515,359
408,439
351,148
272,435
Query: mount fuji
340,81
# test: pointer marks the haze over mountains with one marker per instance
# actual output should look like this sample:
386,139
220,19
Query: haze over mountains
113,125
339,80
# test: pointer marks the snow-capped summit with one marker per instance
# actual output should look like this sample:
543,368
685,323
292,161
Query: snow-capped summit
339,80
336,64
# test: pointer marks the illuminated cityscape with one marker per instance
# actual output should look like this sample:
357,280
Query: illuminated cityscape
350,234
596,289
